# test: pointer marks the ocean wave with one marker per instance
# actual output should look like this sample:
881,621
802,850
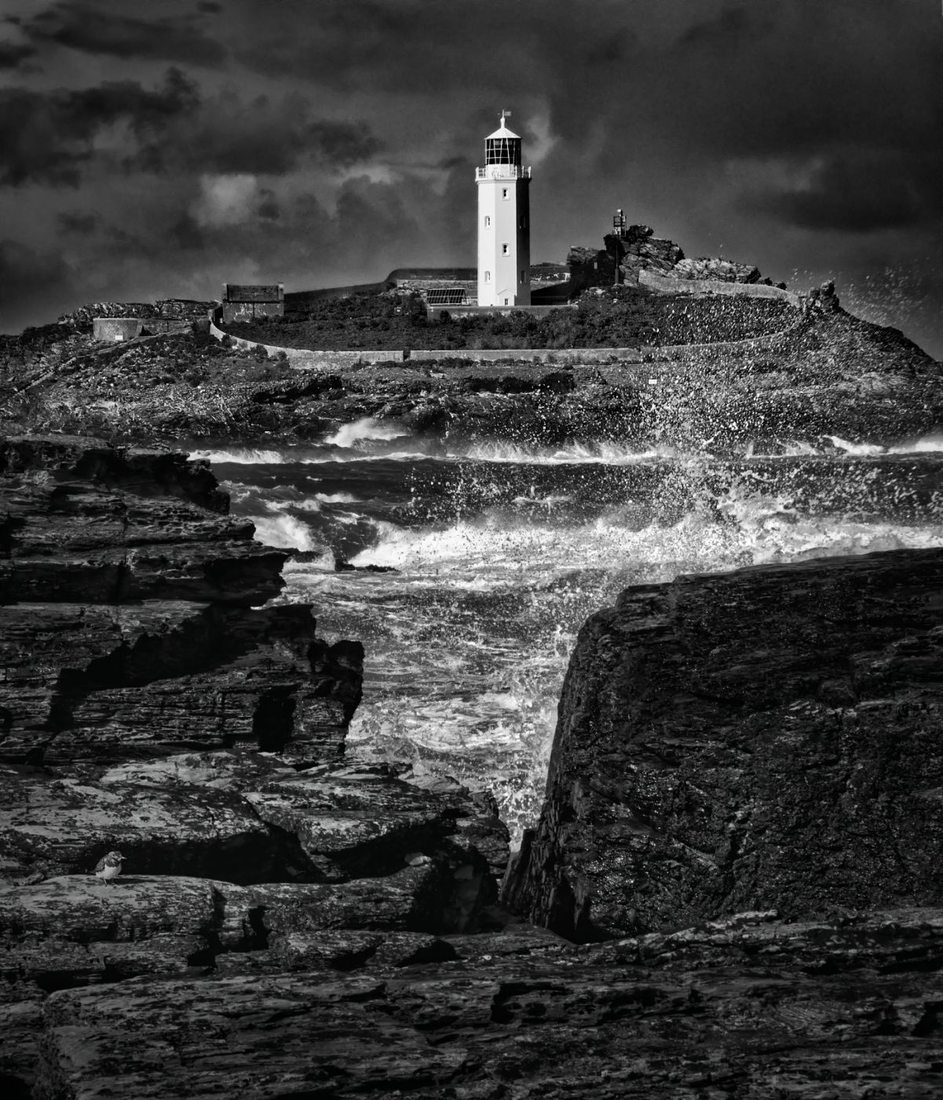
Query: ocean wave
336,498
925,444
243,456
610,454
363,430
283,531
734,531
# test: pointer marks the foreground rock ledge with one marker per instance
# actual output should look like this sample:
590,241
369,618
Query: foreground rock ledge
747,1009
764,739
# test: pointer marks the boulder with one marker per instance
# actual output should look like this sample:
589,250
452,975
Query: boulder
763,739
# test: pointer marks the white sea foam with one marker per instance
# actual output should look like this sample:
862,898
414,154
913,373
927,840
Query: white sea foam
927,443
336,498
753,529
611,454
283,531
367,428
243,456
483,613
861,450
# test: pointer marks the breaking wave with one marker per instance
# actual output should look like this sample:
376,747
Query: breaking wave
474,569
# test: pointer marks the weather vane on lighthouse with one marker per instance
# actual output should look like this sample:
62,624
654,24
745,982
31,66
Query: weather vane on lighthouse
503,221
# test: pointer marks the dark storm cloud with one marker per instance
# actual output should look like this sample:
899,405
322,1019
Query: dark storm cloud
78,223
264,136
733,26
30,277
48,136
862,192
13,54
88,28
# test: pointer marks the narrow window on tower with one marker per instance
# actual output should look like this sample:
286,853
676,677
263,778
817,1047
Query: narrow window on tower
505,193
523,276
487,276
505,249
487,221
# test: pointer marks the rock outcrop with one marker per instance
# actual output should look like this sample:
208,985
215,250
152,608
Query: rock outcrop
637,249
149,704
763,739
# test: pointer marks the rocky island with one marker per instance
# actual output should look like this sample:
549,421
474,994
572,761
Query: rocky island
682,352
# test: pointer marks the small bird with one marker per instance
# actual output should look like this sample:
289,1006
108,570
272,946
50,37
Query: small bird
109,867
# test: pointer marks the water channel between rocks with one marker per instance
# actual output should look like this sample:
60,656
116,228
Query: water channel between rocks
497,554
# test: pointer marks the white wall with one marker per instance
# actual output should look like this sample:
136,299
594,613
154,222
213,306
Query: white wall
509,225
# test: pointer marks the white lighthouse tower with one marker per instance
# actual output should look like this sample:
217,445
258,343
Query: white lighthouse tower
503,221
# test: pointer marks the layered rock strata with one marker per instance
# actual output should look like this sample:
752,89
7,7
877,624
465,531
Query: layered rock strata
149,705
752,1008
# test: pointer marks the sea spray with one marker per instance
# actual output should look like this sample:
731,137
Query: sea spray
498,560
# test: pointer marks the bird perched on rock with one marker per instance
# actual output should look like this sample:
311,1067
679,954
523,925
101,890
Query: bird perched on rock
109,867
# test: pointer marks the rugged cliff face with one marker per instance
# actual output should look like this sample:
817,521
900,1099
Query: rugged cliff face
149,705
761,740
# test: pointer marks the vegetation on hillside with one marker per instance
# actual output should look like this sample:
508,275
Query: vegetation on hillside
617,317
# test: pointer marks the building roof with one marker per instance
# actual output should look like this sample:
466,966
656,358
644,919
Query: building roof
502,130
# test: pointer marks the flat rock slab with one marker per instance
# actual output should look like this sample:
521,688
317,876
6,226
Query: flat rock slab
248,818
52,826
763,739
554,1021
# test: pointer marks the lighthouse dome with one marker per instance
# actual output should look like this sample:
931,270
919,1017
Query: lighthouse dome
503,146
503,132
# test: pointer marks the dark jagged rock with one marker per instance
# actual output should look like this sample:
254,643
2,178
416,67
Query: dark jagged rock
815,1019
128,633
764,739
84,521
143,472
104,683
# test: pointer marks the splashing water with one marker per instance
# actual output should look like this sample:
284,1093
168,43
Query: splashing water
497,556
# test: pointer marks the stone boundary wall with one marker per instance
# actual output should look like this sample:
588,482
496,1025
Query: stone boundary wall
560,356
304,359
703,287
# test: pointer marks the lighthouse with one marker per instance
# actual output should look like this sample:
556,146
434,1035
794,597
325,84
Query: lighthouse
503,221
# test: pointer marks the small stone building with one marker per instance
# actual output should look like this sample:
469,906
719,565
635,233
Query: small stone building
114,329
247,303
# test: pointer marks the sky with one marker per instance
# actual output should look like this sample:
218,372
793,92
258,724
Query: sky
158,149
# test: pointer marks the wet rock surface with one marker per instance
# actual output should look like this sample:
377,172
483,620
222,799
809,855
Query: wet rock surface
150,705
763,739
815,1018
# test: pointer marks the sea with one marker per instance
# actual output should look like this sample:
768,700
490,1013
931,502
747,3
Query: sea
466,570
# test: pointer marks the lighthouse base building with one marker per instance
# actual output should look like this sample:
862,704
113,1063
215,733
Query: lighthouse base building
503,221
